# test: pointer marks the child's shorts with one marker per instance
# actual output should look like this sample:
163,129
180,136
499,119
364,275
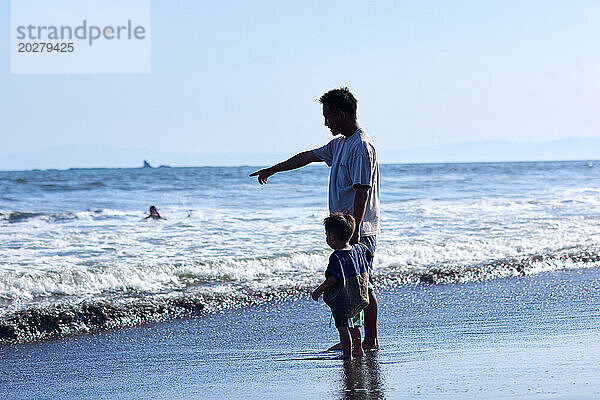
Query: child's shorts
356,322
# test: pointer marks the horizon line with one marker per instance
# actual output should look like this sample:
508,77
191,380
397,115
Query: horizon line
583,160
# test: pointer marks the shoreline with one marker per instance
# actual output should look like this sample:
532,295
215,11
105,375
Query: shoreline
62,320
533,337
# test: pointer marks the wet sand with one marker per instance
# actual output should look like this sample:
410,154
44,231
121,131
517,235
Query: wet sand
528,338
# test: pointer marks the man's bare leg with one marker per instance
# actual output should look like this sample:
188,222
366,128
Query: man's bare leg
371,314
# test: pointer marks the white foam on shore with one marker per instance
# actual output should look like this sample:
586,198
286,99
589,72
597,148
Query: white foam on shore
110,251
266,244
299,269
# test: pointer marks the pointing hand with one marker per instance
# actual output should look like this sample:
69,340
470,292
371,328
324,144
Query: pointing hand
263,175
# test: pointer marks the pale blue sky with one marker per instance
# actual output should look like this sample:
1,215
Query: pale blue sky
245,77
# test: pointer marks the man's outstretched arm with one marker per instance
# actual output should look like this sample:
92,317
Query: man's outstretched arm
297,161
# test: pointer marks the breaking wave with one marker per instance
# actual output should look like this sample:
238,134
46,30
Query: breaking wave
14,217
59,319
511,267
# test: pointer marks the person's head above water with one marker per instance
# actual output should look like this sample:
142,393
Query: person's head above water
339,228
339,111
154,213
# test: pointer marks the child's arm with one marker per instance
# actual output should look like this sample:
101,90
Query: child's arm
329,282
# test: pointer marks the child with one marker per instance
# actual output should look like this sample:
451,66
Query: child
345,289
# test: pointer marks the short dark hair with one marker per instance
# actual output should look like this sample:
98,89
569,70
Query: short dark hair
340,100
340,224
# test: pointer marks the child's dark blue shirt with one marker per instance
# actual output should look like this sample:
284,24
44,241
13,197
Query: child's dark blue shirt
353,262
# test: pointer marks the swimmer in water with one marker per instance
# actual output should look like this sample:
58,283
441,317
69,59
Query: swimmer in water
154,214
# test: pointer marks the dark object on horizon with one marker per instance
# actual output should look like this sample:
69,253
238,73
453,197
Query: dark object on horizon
164,166
154,213
146,165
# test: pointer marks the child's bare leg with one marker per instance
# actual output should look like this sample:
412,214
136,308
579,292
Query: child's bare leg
345,341
357,349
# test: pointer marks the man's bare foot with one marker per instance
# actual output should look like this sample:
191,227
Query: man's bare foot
370,344
335,347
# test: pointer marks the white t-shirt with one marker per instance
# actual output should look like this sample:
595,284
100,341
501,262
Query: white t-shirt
353,161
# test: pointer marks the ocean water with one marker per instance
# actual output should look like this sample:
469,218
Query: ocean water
77,255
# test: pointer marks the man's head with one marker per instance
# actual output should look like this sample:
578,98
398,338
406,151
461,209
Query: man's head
339,109
339,228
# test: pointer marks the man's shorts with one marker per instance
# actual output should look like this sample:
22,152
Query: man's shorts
371,243
356,322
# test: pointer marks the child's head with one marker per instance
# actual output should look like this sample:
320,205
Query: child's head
339,228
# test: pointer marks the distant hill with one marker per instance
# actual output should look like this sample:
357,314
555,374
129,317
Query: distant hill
95,156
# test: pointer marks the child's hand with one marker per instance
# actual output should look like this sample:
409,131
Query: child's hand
316,294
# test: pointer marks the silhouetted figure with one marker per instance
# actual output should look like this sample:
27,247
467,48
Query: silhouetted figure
154,214
353,181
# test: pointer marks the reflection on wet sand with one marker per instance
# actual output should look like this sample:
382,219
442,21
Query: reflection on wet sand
362,378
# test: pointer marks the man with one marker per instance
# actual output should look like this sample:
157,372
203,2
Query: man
353,180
